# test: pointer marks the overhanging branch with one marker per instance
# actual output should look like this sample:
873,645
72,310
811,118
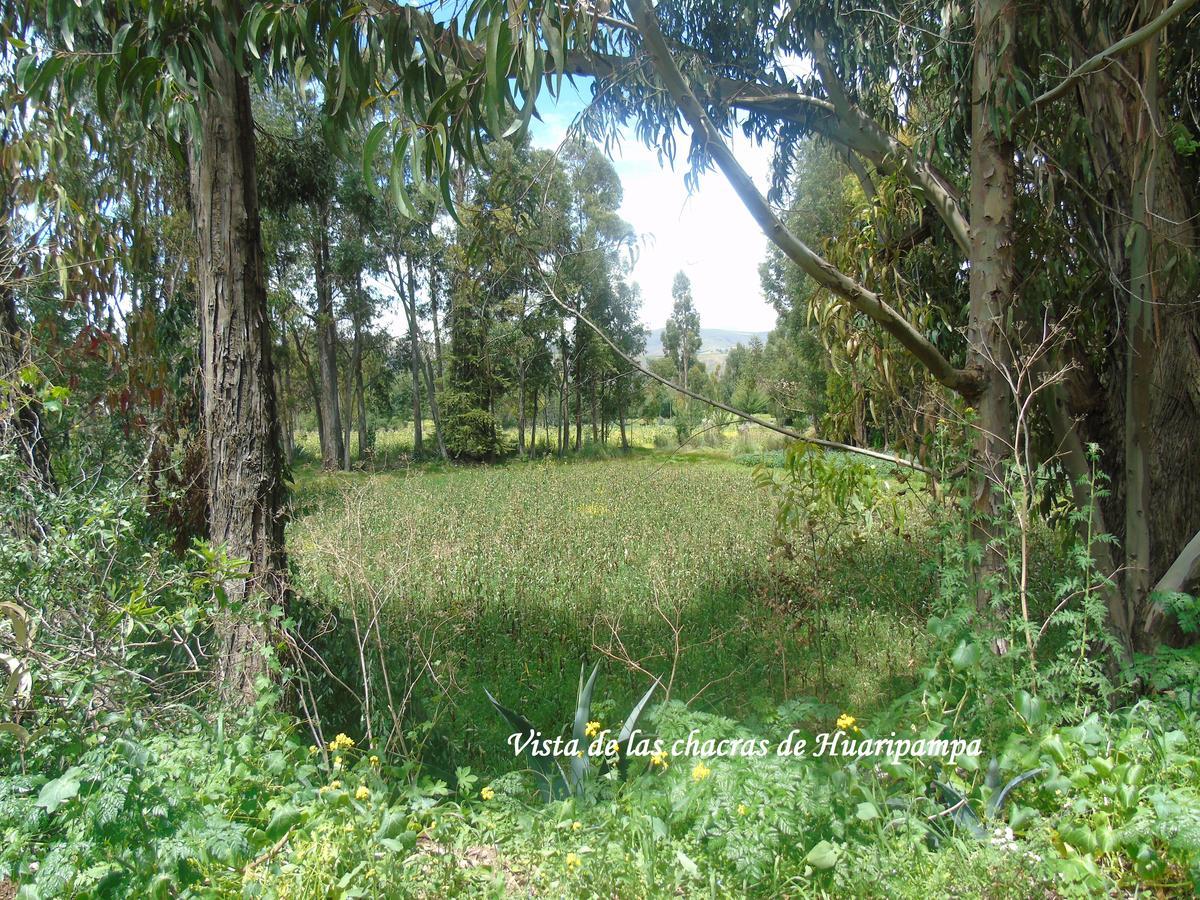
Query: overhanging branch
815,266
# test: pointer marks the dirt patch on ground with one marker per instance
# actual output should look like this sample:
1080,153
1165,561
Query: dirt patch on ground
8,889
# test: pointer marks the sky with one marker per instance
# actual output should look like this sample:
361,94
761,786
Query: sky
708,235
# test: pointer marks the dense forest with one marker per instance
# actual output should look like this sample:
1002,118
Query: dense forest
353,544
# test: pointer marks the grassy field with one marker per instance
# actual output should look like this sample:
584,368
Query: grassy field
508,577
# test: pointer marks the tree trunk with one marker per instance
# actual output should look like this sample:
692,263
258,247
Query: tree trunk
347,404
533,423
313,389
1139,399
22,426
435,412
563,420
433,313
356,369
414,350
245,485
624,439
521,409
578,404
332,454
595,414
991,279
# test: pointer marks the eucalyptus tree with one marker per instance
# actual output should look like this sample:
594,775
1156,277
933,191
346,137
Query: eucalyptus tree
183,72
681,336
298,181
1040,135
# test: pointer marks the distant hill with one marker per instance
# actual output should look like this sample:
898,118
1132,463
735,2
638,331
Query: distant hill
714,341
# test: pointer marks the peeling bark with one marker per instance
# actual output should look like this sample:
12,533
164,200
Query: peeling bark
993,177
245,486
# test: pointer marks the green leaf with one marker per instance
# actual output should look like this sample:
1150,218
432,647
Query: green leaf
583,708
284,820
1030,708
57,792
370,148
543,767
823,856
687,863
996,803
866,812
965,655
15,730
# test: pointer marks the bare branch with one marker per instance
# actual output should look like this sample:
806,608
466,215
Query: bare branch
763,423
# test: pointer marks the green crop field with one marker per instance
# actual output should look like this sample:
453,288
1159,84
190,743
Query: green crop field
508,577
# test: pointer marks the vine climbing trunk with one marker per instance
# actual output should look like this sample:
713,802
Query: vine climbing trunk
245,458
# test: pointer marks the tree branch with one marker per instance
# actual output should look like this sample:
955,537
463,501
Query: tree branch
862,133
770,426
815,266
1147,31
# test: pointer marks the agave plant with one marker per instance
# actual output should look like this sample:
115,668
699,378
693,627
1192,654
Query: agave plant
555,783
959,810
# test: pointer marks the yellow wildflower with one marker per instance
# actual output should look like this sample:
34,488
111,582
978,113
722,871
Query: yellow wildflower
845,722
576,825
593,729
742,809
700,771
487,793
363,792
312,751
574,861
335,785
341,742
374,761
659,759
337,762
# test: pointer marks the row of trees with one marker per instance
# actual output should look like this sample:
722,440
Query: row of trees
483,340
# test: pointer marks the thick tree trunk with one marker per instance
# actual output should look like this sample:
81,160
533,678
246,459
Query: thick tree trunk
332,450
245,485
624,439
1139,399
991,278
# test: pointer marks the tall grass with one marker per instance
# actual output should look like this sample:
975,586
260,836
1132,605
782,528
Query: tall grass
508,576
